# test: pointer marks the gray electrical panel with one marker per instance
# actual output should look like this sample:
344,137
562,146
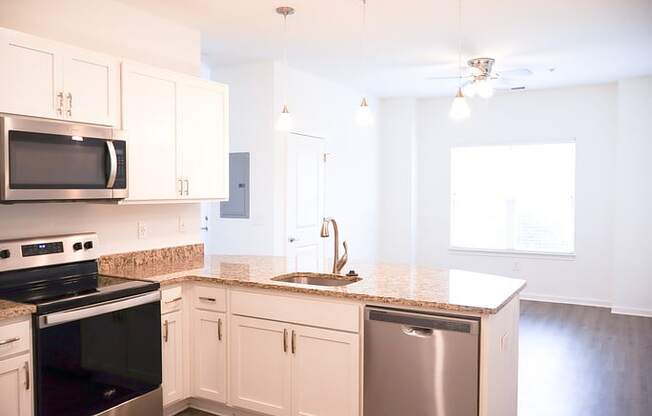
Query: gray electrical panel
238,204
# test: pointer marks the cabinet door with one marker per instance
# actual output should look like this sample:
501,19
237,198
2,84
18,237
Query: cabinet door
30,76
325,358
91,87
209,355
203,139
260,365
149,121
15,386
172,357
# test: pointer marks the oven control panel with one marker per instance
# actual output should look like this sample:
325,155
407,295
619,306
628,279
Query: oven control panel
46,251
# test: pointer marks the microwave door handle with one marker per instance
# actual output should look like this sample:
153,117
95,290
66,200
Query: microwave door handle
113,172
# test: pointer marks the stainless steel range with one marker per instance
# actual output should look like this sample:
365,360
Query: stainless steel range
97,348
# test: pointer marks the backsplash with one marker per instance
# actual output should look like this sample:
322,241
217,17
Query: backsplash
185,257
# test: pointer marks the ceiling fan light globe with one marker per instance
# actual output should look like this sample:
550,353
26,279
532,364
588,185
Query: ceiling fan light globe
484,88
469,90
460,108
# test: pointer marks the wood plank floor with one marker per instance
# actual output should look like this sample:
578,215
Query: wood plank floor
583,361
580,361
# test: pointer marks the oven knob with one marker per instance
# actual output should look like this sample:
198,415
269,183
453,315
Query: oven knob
77,246
88,245
5,254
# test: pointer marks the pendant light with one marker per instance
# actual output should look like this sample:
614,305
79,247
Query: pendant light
364,117
285,121
460,108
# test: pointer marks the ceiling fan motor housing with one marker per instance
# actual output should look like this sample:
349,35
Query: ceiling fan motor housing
483,66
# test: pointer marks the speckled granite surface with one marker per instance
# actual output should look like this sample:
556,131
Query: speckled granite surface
10,309
398,285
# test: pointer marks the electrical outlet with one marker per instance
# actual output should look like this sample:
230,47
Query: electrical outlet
142,230
182,225
517,267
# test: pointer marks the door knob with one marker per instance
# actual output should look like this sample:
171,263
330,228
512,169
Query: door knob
292,239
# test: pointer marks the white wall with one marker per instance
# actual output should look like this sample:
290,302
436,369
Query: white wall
632,271
320,108
114,28
107,26
398,208
585,114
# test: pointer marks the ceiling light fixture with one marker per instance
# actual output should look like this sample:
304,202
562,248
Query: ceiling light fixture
364,117
460,108
285,121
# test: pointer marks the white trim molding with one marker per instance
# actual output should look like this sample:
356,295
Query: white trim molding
542,255
626,310
599,303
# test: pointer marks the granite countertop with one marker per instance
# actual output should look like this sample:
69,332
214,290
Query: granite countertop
392,284
9,309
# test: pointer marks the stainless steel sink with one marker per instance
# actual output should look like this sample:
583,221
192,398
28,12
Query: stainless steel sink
317,279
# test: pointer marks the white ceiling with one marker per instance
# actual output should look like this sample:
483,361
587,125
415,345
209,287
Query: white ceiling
586,41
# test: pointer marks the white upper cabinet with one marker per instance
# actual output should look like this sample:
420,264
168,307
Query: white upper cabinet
91,87
177,132
202,109
41,78
30,76
149,123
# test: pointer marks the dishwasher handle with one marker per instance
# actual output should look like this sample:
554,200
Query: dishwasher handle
422,325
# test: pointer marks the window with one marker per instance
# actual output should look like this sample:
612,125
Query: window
514,198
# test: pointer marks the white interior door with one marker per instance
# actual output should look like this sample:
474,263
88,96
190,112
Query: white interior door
305,202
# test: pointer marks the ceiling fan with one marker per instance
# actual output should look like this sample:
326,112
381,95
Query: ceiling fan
481,79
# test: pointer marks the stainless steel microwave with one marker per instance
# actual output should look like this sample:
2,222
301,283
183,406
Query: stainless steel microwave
45,160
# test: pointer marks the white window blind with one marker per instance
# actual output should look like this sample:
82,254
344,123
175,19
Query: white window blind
514,198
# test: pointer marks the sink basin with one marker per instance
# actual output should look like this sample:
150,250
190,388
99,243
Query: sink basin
317,279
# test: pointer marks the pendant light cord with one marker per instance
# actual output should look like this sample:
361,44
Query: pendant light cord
285,59
459,44
365,58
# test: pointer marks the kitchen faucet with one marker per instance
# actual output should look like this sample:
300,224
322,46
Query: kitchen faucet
338,263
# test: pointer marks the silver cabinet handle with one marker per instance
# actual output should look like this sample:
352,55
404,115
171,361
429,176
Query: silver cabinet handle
172,300
285,340
187,186
294,342
27,381
9,341
113,172
69,97
166,333
180,183
60,103
219,329
207,299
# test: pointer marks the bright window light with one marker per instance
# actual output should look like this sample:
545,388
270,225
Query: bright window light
514,198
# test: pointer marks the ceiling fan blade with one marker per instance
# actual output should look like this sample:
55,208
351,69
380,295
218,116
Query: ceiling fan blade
514,73
442,78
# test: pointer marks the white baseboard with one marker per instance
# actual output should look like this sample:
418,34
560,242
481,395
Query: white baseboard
565,299
625,310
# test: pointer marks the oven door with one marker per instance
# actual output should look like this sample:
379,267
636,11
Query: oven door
94,358
50,160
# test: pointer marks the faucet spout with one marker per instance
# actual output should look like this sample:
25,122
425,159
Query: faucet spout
338,263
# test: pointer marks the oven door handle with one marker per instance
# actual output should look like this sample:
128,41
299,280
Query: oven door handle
113,160
57,318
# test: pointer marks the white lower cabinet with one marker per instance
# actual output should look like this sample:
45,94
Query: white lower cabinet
260,366
172,348
284,369
325,372
15,386
209,342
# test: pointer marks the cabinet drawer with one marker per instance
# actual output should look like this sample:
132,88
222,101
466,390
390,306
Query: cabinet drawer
294,309
171,299
210,298
14,337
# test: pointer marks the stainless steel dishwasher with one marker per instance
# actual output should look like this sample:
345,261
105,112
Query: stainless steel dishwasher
420,365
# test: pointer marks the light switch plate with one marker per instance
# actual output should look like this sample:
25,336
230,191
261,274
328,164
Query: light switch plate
142,230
